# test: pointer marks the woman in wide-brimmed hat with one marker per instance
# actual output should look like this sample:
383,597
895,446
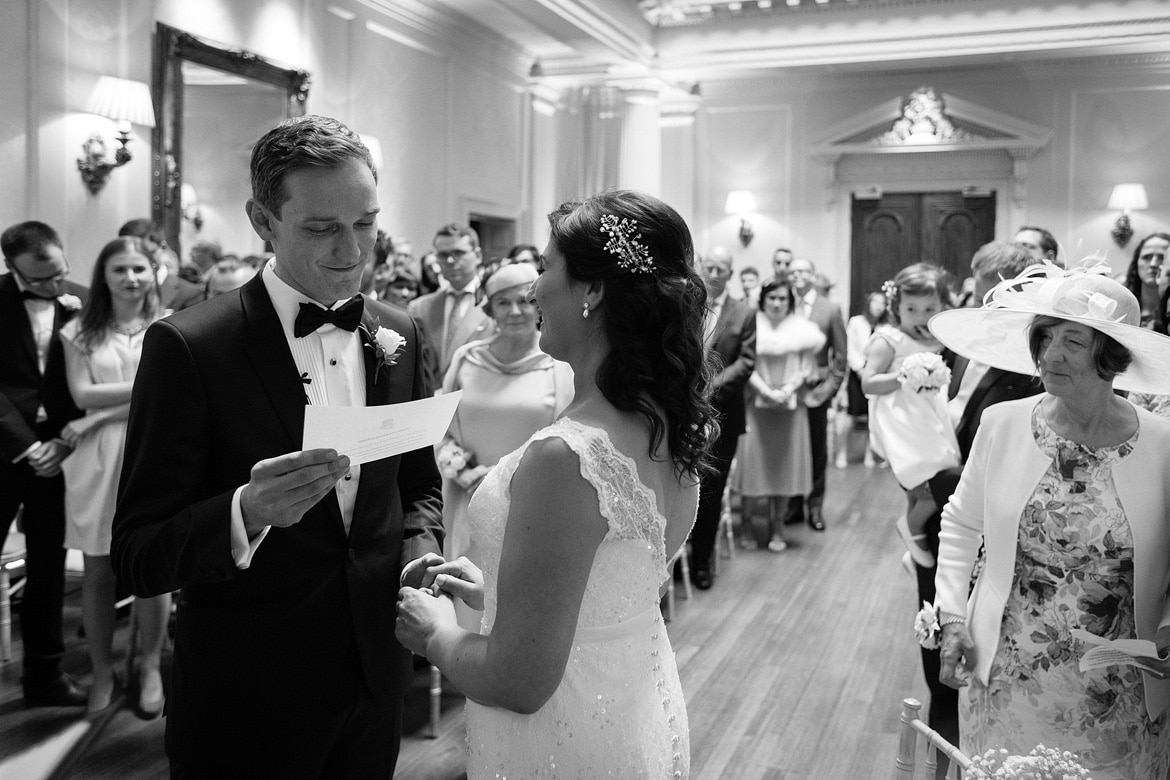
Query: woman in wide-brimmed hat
1069,493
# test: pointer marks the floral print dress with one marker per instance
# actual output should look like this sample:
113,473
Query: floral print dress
1074,569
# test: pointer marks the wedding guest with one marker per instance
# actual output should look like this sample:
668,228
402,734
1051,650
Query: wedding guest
285,661
227,275
174,292
453,317
749,283
857,334
573,675
816,306
908,422
973,389
1142,277
729,334
510,390
1066,492
401,288
35,301
776,454
522,253
102,350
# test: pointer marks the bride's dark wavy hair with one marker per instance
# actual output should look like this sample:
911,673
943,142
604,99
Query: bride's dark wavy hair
657,365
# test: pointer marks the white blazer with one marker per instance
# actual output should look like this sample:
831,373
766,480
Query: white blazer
1000,475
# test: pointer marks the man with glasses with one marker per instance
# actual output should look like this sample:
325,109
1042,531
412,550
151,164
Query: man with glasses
452,316
35,301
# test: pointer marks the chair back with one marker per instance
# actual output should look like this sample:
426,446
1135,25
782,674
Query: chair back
911,728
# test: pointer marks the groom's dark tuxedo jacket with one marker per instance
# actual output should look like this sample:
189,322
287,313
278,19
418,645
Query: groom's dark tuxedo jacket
217,390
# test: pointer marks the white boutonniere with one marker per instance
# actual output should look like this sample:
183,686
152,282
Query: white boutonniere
71,302
387,345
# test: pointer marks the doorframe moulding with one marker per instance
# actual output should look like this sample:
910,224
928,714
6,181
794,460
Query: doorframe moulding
1010,135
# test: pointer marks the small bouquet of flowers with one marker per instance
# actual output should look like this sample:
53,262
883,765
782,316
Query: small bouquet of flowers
924,371
1041,764
458,464
926,626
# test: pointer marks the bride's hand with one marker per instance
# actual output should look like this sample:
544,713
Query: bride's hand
461,578
415,573
420,615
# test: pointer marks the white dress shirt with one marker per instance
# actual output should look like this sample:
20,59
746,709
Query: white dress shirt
41,314
713,312
804,304
971,378
329,361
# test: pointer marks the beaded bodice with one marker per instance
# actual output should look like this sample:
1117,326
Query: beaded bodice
630,563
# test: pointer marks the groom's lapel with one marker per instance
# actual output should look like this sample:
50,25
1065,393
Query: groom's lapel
270,355
379,381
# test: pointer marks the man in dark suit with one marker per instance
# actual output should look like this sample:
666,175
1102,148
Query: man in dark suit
974,387
35,301
289,561
830,373
453,315
730,334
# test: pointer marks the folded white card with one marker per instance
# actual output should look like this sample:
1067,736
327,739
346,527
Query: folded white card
1110,652
366,433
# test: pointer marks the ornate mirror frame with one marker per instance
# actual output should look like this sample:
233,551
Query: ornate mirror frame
171,48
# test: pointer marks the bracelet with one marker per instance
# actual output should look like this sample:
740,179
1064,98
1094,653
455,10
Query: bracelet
952,619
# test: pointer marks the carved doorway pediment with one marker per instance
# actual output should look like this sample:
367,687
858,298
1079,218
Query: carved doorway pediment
925,121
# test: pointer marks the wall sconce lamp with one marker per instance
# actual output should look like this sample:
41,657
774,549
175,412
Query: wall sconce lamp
1126,198
189,205
126,102
739,203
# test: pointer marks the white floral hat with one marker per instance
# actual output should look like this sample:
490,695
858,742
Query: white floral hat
997,333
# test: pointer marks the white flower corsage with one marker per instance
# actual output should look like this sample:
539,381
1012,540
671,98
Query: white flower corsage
458,465
924,371
926,626
452,459
71,302
387,345
1039,764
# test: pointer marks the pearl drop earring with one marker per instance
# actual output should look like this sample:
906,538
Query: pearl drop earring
585,310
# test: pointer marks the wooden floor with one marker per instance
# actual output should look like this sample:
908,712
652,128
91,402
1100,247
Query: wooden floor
793,664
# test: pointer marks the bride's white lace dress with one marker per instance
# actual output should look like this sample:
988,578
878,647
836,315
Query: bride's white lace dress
619,710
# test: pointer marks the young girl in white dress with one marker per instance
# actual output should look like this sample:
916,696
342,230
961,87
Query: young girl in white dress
102,349
572,674
908,423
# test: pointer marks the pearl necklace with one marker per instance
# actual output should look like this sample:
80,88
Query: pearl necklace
129,330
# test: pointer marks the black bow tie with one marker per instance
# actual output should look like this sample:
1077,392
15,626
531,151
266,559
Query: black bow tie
311,316
29,295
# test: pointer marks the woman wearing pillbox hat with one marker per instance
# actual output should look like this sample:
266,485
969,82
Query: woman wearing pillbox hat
1069,494
510,390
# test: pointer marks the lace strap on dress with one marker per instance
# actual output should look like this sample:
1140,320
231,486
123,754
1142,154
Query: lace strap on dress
627,505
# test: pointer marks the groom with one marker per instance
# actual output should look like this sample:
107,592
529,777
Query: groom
289,561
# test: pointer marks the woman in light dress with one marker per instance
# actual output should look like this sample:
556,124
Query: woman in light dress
102,349
858,331
1067,493
572,675
510,390
775,454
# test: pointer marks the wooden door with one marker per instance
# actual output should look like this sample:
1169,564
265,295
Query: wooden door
944,228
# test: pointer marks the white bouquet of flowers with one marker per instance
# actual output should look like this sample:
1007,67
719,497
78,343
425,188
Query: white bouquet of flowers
458,464
452,459
1041,764
924,371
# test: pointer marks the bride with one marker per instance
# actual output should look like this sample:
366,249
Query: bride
572,674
